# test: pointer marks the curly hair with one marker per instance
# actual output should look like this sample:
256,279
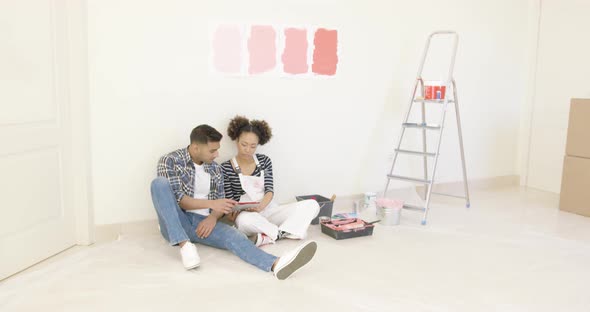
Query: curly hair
241,124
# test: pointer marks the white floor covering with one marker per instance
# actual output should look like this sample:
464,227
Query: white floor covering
513,250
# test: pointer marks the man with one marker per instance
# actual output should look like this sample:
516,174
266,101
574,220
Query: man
189,198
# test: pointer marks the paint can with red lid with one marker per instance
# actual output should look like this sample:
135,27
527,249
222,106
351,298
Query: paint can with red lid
434,90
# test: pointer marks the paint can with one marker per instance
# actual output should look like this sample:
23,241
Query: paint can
389,216
370,199
434,90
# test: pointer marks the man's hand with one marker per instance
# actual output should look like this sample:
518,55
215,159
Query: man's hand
205,227
223,205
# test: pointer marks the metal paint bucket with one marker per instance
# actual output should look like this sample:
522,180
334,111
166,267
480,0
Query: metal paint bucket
389,216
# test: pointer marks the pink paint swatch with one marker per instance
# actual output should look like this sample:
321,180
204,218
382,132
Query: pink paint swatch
295,54
325,54
262,48
227,52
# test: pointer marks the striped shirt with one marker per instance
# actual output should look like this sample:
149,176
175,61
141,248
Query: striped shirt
233,187
179,168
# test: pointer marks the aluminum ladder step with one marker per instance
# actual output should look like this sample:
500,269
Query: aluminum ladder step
413,207
421,126
416,153
449,195
393,176
435,101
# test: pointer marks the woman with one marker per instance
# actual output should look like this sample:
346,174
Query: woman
248,178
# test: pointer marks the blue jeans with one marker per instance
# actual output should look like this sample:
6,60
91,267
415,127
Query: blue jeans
177,226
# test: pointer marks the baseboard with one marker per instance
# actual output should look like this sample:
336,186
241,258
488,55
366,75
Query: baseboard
111,232
106,232
474,185
457,186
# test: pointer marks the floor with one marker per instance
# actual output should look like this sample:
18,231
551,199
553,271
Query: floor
511,251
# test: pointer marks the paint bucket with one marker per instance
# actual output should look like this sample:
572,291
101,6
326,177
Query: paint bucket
326,205
390,216
434,90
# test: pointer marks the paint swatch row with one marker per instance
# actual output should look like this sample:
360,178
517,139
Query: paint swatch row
264,49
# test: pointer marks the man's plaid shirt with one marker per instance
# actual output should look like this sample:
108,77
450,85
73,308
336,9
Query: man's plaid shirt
179,169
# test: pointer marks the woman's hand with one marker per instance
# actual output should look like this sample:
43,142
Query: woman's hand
258,208
263,203
233,216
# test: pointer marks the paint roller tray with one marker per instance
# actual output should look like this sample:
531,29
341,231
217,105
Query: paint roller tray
347,228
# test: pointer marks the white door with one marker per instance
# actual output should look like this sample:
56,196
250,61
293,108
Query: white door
36,210
562,73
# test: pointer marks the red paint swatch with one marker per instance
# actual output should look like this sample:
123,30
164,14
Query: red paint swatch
325,54
262,48
295,54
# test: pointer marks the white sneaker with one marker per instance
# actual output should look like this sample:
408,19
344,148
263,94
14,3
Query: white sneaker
263,239
293,260
190,256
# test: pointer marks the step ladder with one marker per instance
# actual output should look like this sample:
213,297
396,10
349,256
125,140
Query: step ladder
419,98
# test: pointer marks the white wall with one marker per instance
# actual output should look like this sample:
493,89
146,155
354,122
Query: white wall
561,74
150,85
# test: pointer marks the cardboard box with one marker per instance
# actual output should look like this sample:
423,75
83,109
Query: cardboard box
575,182
578,130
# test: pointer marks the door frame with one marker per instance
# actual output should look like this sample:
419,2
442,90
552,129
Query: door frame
528,107
79,111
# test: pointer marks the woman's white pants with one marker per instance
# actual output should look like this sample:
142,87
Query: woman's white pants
292,218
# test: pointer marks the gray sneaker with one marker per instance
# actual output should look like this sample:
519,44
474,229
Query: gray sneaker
293,260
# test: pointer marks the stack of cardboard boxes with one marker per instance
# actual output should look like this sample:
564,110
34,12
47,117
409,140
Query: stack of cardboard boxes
575,182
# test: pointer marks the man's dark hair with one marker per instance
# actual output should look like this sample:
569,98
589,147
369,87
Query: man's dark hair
204,134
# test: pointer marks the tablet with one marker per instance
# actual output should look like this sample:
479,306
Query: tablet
245,205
